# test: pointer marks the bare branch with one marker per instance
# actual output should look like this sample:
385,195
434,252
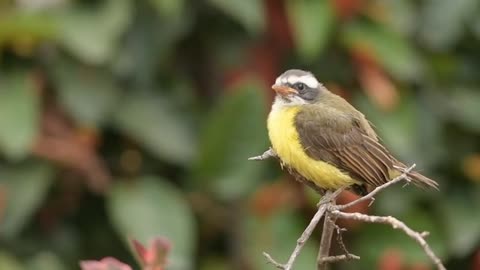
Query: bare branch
403,176
326,240
327,207
424,234
396,224
340,238
323,205
272,261
266,155
347,254
301,241
323,259
339,258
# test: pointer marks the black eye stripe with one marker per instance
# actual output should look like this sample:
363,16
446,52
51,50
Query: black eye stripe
300,86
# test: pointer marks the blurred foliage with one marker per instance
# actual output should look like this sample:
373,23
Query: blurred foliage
126,119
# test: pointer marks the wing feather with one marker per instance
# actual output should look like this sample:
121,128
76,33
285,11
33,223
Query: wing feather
368,162
346,143
351,159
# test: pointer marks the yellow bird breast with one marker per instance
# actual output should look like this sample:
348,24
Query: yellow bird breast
286,143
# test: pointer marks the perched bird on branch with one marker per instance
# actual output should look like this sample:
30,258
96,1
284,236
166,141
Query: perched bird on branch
323,139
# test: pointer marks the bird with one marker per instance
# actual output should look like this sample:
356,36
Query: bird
321,138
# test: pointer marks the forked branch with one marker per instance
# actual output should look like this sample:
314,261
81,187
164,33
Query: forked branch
323,205
328,208
396,224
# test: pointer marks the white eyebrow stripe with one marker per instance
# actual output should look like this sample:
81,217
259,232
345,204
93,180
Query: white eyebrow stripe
292,79
278,81
308,80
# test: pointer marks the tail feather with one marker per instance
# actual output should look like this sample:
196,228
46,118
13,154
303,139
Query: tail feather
422,181
419,179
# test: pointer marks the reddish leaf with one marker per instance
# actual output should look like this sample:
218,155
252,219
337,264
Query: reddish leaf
420,266
271,197
278,28
346,197
379,88
476,261
391,260
140,251
59,141
107,263
471,167
153,257
3,201
346,9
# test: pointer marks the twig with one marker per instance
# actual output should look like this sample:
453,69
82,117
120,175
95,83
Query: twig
266,155
347,255
326,240
301,241
272,261
327,207
340,238
403,176
323,205
339,258
323,259
396,224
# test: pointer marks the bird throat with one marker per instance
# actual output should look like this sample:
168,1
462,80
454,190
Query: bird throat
285,141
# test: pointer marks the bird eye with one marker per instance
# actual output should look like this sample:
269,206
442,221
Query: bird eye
300,86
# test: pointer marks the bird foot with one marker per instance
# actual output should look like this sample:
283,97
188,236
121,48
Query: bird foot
329,196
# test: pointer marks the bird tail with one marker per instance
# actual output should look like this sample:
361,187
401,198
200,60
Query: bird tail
422,181
419,179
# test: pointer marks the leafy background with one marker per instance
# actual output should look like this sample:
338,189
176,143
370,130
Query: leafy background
123,118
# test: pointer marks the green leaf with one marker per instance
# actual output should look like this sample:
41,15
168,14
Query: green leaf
401,16
149,45
169,8
15,26
463,232
374,239
451,23
388,200
88,94
390,49
475,25
155,124
235,130
148,207
396,128
9,262
250,13
463,107
25,187
312,22
19,112
92,33
277,235
215,263
45,260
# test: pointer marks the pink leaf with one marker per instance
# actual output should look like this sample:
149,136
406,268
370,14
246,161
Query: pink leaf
155,255
107,263
140,251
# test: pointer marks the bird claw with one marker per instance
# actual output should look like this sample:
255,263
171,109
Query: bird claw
329,197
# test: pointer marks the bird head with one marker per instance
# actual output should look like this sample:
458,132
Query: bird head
296,87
